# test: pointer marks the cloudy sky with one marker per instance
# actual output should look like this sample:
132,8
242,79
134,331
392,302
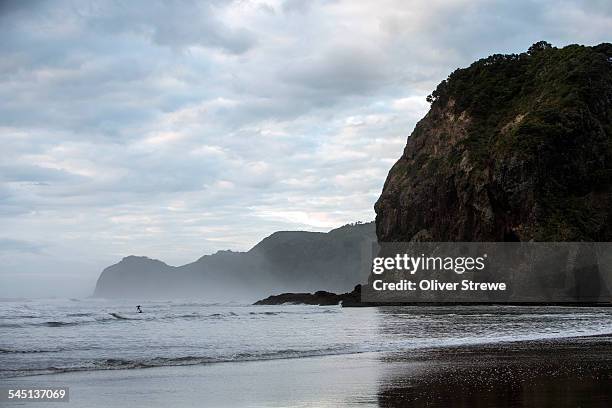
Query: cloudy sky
174,129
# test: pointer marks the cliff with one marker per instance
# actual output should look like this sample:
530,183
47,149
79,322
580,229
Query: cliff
284,261
514,148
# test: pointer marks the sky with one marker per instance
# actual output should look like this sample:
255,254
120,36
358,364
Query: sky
175,129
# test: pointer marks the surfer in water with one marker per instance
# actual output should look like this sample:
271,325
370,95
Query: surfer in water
138,309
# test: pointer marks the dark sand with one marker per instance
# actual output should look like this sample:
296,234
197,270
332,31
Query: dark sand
553,373
560,373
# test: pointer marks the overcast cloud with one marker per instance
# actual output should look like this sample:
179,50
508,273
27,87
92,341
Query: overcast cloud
174,129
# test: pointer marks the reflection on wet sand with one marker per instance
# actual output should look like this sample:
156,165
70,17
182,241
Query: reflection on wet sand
554,373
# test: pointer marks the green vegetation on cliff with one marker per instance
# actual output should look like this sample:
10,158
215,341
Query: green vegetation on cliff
515,147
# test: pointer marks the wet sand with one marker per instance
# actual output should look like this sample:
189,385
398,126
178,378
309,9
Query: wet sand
552,373
560,373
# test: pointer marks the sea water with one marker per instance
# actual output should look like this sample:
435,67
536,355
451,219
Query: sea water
42,336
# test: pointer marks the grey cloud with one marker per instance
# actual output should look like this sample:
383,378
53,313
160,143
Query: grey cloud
17,246
177,24
339,71
296,6
36,174
10,7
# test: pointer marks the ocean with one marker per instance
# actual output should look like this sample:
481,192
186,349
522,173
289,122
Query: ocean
45,336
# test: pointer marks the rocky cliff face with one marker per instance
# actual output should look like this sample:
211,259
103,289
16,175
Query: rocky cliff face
514,148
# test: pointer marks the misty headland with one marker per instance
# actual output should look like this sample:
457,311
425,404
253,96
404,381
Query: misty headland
285,261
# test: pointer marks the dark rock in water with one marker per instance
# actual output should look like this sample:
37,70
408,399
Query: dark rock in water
320,298
514,148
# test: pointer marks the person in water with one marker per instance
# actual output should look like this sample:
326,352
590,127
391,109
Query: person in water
138,309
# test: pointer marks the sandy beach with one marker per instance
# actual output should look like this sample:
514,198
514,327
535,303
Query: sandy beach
553,373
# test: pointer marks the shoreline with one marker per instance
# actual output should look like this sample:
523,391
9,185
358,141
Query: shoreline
553,372
310,355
